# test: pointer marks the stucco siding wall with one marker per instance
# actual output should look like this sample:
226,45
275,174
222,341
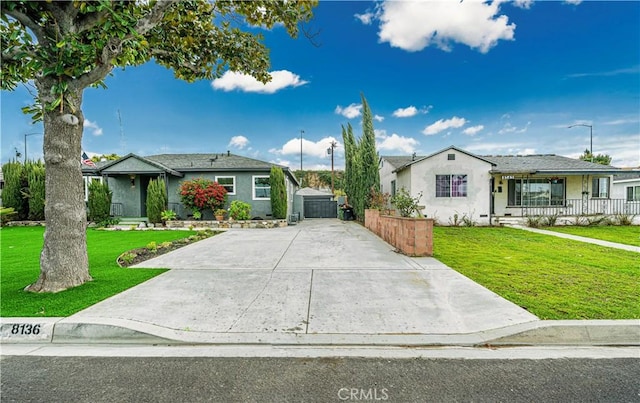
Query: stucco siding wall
619,188
125,194
386,176
475,205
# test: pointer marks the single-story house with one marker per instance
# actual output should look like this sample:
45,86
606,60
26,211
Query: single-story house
626,185
245,179
455,183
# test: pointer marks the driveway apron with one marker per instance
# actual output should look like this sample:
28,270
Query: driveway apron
320,277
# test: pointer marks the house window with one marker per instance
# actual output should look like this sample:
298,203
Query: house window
600,188
228,182
451,185
393,187
261,187
451,157
633,193
86,180
536,192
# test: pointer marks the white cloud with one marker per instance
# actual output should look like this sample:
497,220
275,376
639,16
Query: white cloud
415,25
280,79
509,128
500,149
350,112
238,142
473,130
366,18
526,4
95,129
405,112
442,124
574,2
394,142
310,148
378,118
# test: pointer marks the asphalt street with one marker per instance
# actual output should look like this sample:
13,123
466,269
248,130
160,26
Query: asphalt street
329,379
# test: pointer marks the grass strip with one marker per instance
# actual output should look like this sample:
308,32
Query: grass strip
553,278
20,266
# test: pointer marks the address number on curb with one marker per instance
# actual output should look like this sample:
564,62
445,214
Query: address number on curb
25,329
26,332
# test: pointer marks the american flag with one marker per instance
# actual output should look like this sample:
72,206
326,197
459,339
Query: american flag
87,161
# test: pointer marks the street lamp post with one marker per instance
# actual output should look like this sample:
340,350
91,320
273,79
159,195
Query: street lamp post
590,136
301,133
25,144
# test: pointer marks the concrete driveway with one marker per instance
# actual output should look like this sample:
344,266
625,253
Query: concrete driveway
321,281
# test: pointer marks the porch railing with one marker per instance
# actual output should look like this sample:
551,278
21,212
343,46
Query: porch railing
116,210
576,207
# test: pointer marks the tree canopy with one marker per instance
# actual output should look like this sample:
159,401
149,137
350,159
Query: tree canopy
63,47
603,159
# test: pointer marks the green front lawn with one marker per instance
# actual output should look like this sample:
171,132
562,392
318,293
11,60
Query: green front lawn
553,278
19,266
626,234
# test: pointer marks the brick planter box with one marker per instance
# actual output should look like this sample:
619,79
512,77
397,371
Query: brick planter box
411,236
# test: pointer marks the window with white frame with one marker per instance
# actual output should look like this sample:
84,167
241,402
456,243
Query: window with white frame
87,180
536,192
261,187
451,185
600,188
393,187
228,182
633,193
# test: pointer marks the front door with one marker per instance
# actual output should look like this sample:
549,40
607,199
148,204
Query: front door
144,184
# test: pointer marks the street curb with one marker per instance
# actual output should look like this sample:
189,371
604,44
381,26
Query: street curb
121,331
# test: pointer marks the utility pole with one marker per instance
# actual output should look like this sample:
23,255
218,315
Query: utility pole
590,136
330,151
301,133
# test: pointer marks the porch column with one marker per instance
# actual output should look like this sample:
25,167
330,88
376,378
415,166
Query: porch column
585,194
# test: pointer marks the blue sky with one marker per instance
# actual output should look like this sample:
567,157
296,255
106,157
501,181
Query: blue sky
491,78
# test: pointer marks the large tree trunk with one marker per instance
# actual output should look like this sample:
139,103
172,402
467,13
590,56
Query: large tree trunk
63,262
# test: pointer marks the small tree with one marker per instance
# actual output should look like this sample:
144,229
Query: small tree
278,193
99,201
407,206
35,192
603,159
201,194
156,200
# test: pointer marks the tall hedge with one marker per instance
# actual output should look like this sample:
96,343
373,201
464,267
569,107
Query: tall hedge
35,174
278,193
13,186
99,203
156,200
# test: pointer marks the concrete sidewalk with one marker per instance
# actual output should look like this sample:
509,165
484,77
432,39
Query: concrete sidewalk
321,282
600,242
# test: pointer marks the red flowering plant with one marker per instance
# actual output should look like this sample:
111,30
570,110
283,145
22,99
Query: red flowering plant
200,194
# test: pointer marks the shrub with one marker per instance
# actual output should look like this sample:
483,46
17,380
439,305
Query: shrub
200,194
156,200
623,219
378,200
240,210
406,205
278,193
35,192
7,214
168,215
13,186
99,201
534,221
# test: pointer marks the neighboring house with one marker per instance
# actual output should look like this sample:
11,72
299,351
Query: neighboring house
244,178
488,189
626,185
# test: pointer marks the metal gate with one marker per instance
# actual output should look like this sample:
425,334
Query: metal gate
320,208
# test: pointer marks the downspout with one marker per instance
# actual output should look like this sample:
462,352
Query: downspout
491,200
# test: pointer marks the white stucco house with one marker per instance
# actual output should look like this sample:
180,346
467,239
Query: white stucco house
490,190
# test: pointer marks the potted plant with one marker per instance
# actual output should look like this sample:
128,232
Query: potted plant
219,213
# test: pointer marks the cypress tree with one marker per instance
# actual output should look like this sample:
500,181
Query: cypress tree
157,200
12,192
368,174
278,193
350,151
35,174
99,203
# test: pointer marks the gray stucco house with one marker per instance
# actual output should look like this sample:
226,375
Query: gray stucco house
245,179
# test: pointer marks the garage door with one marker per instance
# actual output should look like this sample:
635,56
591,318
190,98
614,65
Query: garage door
320,208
